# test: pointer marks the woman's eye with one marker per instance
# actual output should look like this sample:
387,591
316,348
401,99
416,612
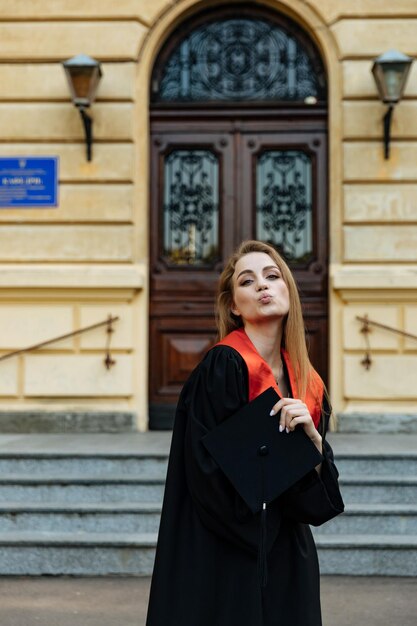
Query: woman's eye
273,276
245,282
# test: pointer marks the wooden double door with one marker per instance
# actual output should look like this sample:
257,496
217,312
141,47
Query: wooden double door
215,181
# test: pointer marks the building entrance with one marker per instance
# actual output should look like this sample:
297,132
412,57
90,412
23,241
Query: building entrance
239,151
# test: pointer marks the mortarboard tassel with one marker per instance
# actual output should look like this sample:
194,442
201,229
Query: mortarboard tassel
262,557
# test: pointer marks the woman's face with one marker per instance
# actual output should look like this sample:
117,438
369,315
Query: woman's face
259,291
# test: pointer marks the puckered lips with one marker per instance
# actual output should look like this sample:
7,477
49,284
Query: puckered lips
265,299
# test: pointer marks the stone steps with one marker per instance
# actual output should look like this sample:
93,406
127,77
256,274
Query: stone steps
377,464
84,554
377,533
373,519
395,423
145,466
125,517
91,517
50,488
90,505
155,466
92,554
128,488
80,504
378,489
365,555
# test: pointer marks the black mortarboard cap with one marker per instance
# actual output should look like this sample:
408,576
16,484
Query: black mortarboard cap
260,462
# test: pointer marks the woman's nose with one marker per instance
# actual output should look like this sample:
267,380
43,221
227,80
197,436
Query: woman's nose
261,285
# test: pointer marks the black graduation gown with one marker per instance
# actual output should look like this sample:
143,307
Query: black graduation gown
205,571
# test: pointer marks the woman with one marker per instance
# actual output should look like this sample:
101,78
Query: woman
206,570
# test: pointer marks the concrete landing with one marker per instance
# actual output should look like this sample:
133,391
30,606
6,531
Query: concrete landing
123,601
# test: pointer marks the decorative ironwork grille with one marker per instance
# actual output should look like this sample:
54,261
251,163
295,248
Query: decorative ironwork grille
233,59
191,207
284,202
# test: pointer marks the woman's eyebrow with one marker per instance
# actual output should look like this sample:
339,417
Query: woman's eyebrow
267,267
245,272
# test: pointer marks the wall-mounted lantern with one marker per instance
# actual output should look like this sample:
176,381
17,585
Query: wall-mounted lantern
83,74
390,72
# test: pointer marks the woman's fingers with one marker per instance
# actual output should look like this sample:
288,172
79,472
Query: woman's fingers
299,419
283,402
293,413
290,408
281,406
308,425
298,411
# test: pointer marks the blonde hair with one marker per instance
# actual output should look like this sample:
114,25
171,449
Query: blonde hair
293,336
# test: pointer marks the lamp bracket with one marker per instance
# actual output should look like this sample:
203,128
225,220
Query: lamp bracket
88,129
387,130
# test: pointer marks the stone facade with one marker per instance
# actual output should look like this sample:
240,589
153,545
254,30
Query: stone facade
64,268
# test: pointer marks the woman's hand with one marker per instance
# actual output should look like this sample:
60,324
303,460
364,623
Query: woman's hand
294,412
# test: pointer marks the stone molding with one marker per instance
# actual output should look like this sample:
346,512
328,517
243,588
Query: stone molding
372,277
76,276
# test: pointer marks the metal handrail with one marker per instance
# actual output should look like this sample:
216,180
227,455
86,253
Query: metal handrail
108,361
365,320
367,361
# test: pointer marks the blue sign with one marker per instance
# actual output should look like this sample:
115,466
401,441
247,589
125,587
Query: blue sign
28,182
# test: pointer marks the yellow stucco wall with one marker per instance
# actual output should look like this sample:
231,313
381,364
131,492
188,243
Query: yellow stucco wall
67,267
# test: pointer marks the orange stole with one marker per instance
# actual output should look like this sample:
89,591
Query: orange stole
261,376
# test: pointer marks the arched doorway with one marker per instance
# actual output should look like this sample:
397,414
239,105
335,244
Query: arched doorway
238,150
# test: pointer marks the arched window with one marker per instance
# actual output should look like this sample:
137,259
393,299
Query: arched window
235,59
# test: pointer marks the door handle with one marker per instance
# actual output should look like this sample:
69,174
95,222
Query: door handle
316,268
